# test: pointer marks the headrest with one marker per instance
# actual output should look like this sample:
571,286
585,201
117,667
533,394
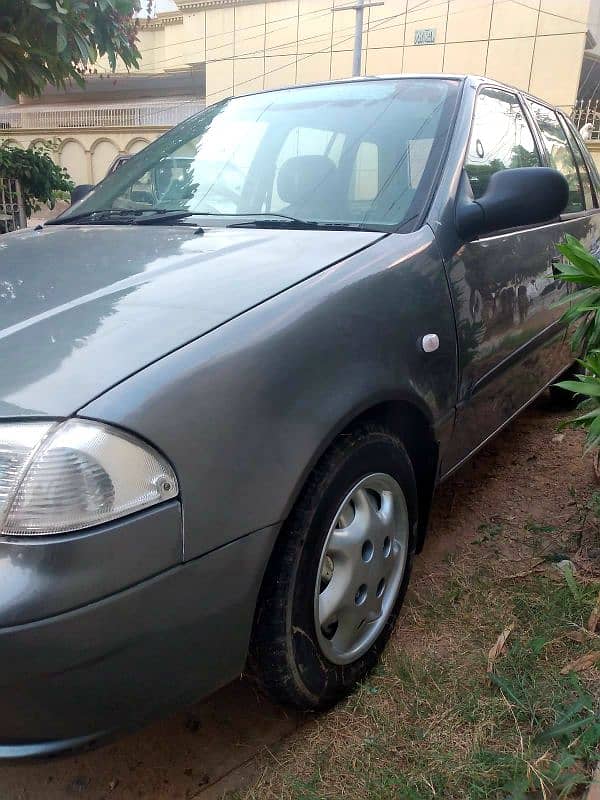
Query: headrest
301,176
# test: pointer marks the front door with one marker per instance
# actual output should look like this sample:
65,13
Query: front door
510,341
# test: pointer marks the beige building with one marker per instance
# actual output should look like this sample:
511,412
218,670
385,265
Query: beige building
246,46
218,48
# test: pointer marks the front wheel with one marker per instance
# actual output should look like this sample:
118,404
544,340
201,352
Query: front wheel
339,572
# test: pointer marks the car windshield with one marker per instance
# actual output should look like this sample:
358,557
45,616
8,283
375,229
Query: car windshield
361,154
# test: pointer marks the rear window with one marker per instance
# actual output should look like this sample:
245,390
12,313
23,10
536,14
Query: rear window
559,153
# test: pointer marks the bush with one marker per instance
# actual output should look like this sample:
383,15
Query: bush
42,181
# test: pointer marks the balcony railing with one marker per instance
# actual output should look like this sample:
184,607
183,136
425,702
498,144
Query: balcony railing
587,112
147,115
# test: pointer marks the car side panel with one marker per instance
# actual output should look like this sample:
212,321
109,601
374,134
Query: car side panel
244,412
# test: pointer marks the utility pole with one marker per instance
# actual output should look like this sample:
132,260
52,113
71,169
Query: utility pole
359,8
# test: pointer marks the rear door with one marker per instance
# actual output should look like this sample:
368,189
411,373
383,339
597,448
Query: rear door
566,153
510,341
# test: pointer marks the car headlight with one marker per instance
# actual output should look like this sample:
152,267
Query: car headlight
57,477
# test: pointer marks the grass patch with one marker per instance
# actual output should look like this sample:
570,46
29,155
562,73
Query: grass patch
432,723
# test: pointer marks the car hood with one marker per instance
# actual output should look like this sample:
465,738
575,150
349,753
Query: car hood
83,307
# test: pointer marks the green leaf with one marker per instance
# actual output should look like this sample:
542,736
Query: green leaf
538,643
44,40
10,38
83,46
506,687
581,387
61,40
585,418
571,582
577,254
593,438
562,729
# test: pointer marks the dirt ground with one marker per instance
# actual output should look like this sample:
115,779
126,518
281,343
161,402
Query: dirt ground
529,472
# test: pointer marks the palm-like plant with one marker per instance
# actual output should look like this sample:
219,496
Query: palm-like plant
583,269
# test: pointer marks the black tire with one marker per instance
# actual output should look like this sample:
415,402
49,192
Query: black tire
562,399
285,657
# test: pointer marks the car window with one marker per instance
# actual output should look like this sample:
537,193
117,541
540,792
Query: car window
500,138
584,175
561,157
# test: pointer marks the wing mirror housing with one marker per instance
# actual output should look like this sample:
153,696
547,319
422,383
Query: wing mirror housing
79,192
513,197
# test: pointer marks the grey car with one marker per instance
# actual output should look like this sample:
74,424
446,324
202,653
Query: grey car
228,394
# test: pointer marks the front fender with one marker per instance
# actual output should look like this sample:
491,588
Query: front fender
244,411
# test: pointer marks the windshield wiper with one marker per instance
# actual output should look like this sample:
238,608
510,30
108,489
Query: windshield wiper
124,216
164,216
283,221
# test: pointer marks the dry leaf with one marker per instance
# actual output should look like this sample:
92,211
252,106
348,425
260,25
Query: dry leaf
594,617
498,648
577,636
582,663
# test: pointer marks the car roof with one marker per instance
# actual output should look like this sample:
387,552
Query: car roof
474,80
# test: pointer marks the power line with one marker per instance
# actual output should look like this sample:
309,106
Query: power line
321,12
246,28
303,58
551,13
370,27
329,48
268,72
259,51
378,25
317,13
314,36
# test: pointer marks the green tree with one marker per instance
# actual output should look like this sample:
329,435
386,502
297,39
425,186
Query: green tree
52,41
40,178
521,157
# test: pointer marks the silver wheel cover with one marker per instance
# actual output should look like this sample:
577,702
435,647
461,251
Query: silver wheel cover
361,568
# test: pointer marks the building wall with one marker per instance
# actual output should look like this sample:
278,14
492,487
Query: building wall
536,45
87,154
594,148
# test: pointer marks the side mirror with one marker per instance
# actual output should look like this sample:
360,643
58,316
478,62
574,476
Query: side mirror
79,192
514,197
